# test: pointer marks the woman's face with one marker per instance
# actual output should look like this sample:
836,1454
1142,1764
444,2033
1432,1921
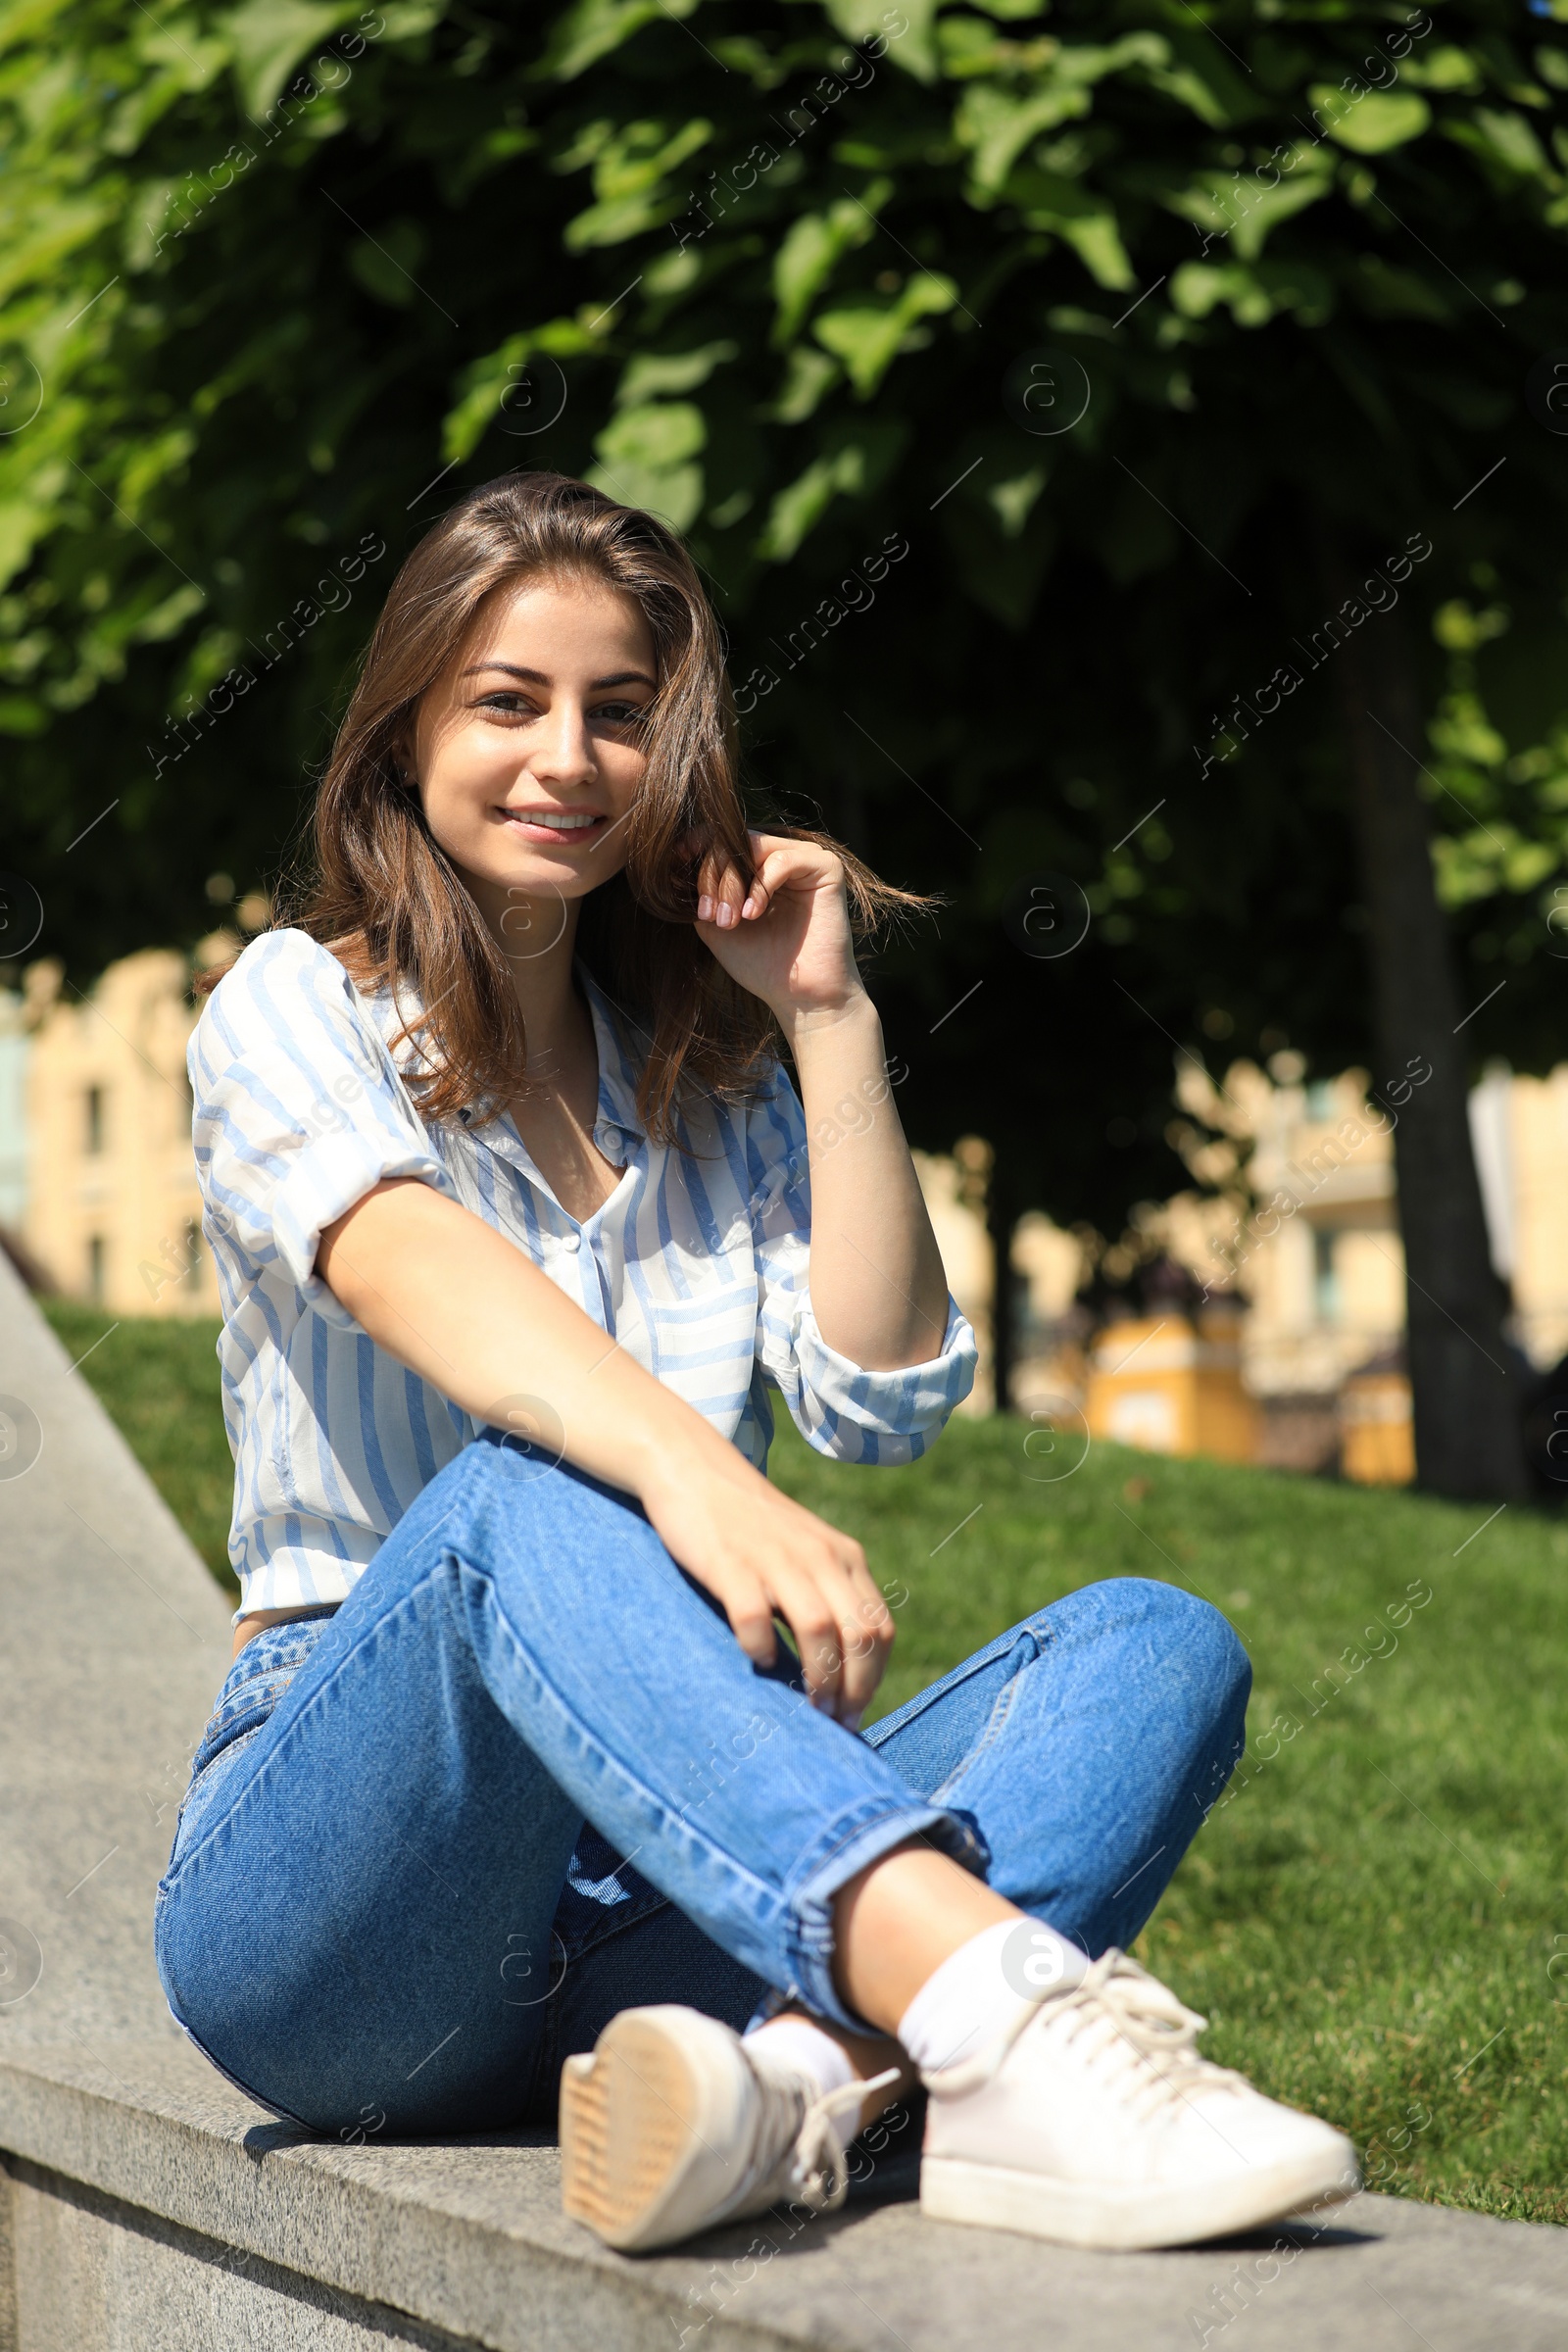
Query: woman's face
528,748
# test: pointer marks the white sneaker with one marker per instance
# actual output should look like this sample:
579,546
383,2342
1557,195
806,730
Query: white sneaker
674,2124
1094,2122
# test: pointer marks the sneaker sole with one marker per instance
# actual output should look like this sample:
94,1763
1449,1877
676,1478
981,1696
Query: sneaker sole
628,2125
1123,2219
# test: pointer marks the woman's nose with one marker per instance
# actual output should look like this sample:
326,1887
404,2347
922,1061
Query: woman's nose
562,748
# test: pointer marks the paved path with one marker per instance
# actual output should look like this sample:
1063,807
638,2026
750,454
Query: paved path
152,2205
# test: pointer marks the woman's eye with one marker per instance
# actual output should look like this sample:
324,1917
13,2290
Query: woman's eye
619,715
508,706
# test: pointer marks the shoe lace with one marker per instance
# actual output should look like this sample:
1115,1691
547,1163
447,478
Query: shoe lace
815,2171
1135,2028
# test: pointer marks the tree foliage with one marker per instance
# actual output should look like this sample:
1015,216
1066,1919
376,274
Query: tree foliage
1013,372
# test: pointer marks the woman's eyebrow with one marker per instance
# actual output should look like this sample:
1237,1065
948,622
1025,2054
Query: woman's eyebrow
536,677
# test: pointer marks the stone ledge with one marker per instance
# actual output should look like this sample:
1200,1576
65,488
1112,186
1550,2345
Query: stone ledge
464,2245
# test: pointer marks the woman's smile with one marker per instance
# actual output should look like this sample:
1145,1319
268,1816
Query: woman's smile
556,825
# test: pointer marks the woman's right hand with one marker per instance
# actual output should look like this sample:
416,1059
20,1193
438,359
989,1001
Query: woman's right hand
760,1555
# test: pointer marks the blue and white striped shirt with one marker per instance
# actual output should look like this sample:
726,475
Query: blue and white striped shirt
696,1264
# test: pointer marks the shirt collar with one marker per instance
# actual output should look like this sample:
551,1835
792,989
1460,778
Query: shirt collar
618,1067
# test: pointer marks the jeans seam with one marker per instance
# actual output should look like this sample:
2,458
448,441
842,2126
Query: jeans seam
317,1697
996,1725
912,1709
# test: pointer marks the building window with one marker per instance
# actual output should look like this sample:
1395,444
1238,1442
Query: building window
1325,1277
95,1264
1320,1103
95,1118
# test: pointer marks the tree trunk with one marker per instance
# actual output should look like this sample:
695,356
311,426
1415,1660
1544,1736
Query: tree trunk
1467,1406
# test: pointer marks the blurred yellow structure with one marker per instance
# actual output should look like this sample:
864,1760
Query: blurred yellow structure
1377,1433
954,1190
1171,1388
112,1213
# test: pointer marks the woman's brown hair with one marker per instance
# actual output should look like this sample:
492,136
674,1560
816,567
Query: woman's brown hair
393,907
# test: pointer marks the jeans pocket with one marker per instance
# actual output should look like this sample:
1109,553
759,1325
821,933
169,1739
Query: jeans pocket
253,1687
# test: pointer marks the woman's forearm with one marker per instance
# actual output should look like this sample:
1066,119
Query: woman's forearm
878,1289
463,1307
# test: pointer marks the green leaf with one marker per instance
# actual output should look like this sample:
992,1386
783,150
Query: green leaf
1274,205
908,31
630,179
1444,68
1082,219
811,373
810,252
1253,295
1013,501
1510,139
968,46
32,249
674,493
659,434
867,335
856,461
1385,291
1096,241
593,28
269,37
1372,124
653,373
997,126
487,384
1205,85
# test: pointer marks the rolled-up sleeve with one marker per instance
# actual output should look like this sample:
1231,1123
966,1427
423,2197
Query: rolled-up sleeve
299,1111
838,1406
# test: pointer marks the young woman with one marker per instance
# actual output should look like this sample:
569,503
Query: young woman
514,1792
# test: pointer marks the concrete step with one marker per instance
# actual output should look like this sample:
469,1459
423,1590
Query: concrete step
147,2206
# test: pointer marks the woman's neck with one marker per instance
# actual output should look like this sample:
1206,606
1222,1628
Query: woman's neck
538,939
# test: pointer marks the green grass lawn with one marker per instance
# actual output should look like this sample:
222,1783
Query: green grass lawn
1376,1920
158,1380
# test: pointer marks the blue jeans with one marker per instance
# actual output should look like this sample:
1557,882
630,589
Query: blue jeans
398,1898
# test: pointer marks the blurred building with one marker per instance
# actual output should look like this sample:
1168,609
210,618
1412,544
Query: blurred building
112,1212
15,1051
98,1186
953,1188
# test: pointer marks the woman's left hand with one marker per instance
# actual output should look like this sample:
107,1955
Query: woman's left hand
788,939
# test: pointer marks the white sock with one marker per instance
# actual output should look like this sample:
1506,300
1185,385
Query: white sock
979,1989
802,2046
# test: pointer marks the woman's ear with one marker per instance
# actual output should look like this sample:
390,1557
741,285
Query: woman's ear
405,770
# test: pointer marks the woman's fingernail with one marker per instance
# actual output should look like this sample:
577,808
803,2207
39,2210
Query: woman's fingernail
749,906
725,915
705,908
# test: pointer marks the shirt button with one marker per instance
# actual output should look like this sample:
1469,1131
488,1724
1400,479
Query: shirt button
572,1240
